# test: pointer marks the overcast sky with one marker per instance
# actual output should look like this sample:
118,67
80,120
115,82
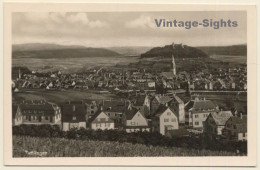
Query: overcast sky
124,29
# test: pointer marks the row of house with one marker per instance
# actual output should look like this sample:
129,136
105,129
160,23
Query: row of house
108,115
166,115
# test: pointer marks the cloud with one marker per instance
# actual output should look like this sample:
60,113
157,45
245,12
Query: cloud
51,19
141,22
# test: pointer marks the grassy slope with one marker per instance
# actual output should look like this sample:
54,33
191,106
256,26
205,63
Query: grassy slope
60,96
56,147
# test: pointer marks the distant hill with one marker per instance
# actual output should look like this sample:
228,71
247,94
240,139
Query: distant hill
179,51
234,50
130,50
43,46
59,51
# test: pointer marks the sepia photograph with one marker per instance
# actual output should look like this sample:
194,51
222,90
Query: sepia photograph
129,84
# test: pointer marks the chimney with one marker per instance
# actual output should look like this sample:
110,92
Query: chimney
101,108
204,98
69,101
74,108
166,104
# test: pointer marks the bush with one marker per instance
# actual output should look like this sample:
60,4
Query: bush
147,138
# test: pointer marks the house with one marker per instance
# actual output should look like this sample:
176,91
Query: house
134,120
114,110
178,105
157,101
16,115
73,116
91,108
197,111
236,128
40,112
215,123
164,120
167,75
101,121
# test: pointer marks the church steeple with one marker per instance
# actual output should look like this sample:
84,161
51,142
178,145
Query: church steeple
173,61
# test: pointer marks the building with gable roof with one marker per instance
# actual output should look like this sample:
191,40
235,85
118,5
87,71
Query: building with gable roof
157,101
134,120
178,105
114,110
215,123
236,128
101,121
164,120
40,112
73,116
197,111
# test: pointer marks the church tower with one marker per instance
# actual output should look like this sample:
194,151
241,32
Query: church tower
173,61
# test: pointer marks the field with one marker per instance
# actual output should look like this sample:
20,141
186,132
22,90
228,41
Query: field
231,59
69,65
60,96
57,147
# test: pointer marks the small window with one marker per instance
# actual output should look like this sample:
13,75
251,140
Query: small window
196,123
168,113
234,127
173,120
166,120
46,117
196,116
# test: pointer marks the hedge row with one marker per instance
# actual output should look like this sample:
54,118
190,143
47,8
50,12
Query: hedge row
147,138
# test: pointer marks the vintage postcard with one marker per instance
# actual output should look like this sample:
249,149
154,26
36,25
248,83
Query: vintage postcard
129,84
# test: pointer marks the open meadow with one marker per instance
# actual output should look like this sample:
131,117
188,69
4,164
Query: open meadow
70,65
58,147
59,96
231,59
